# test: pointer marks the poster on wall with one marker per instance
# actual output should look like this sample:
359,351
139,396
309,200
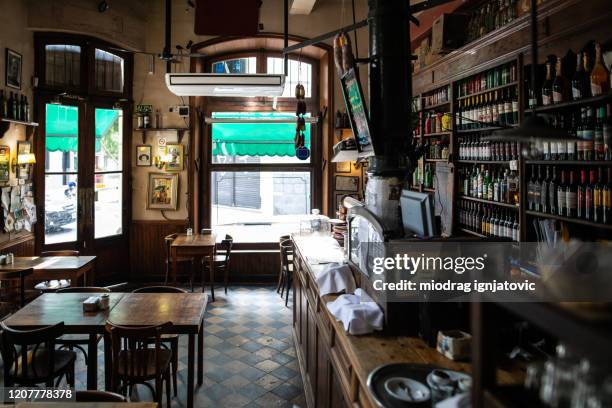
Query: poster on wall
5,165
13,69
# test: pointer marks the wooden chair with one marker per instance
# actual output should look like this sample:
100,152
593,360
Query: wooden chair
30,357
63,252
79,341
222,263
12,290
171,339
135,362
98,396
168,239
280,272
286,248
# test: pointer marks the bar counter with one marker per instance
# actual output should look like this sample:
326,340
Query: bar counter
334,364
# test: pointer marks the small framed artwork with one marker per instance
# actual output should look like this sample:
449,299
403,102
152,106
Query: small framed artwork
24,160
343,167
13,69
5,163
347,183
162,191
174,157
143,155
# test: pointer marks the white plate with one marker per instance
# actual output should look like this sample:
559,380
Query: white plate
407,389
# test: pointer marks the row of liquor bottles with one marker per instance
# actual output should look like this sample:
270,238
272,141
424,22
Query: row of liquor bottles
437,97
437,149
474,148
495,108
585,82
493,78
588,197
423,176
490,16
500,185
489,220
436,122
591,128
14,106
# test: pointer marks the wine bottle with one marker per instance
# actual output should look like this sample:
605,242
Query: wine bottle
581,196
9,108
607,133
537,192
561,188
600,77
588,133
598,197
531,190
588,197
559,84
607,199
547,86
570,196
571,142
552,192
598,142
544,201
2,104
579,81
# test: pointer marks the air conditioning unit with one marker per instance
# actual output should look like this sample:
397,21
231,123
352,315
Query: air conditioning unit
241,85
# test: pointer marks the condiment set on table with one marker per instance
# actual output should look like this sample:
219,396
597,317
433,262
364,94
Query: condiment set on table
95,303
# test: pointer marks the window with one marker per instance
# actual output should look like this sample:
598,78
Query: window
236,66
108,71
299,72
62,65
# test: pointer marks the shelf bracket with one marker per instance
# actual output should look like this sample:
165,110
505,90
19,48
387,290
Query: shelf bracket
4,127
144,136
179,135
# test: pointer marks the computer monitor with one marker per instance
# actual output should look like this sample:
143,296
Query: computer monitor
418,216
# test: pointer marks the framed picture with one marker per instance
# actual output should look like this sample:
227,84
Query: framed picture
23,170
143,155
347,183
357,111
13,69
340,197
343,167
162,191
5,163
174,155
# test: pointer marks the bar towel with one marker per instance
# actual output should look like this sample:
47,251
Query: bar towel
358,313
335,278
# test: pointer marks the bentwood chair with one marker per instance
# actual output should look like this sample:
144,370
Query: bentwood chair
221,263
79,341
30,357
98,396
134,361
12,290
168,239
171,339
286,248
279,285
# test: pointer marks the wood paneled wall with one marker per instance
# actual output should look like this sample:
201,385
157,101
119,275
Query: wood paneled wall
20,244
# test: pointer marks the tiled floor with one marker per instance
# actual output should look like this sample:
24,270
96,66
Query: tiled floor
249,358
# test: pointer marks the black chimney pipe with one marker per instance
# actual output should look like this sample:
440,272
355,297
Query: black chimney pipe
390,84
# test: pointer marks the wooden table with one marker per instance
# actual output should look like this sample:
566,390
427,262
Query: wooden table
20,274
197,246
184,310
54,267
52,308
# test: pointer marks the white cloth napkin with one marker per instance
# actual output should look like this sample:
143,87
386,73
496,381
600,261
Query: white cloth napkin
358,313
335,278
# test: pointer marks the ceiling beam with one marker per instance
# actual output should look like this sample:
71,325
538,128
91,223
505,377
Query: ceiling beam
303,7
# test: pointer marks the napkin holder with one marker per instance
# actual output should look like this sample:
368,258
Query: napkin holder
90,304
454,344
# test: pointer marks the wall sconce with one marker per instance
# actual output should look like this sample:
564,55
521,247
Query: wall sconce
21,165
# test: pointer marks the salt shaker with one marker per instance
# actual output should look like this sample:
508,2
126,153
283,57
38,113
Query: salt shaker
104,301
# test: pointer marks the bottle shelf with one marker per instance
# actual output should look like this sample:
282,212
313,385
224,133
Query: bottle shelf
571,104
436,106
484,161
469,231
485,129
19,122
498,203
571,162
448,133
5,124
578,221
496,88
180,131
429,190
436,160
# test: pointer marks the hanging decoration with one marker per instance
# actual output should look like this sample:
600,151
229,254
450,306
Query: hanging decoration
301,151
343,54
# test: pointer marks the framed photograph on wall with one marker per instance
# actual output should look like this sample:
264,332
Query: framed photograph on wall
162,191
13,69
5,163
143,155
347,183
340,197
343,167
174,157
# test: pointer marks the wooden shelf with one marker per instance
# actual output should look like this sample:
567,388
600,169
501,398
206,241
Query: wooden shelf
429,190
436,160
571,162
436,106
485,129
448,133
5,124
570,220
484,161
497,88
572,104
469,231
179,132
480,200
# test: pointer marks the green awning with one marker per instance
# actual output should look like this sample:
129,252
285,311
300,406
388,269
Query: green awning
255,139
62,127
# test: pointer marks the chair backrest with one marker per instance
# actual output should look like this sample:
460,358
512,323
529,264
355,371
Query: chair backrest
14,346
99,396
226,244
135,341
84,289
286,249
168,239
284,238
64,252
159,289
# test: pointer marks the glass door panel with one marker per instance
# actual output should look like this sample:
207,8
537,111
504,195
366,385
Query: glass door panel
61,173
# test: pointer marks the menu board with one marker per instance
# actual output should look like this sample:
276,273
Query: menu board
358,113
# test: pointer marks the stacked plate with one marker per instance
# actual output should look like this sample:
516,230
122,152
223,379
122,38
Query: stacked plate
338,229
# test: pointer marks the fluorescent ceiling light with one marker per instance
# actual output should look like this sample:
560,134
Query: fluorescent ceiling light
240,85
